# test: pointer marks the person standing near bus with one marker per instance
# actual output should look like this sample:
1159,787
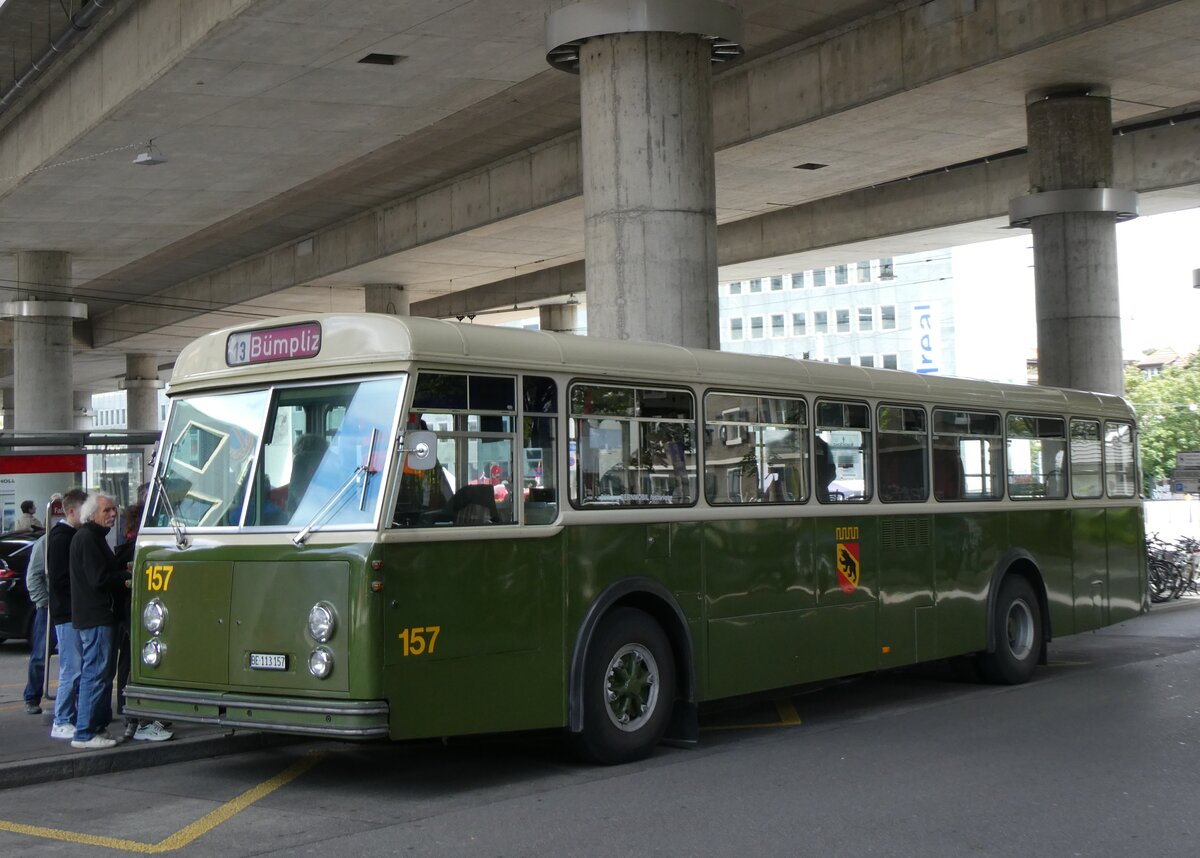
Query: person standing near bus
39,594
97,582
27,521
58,582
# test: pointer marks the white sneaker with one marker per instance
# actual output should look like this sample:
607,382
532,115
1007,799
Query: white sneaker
95,743
62,731
152,732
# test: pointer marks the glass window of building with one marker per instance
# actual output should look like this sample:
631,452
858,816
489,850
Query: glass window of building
798,325
776,283
845,361
820,322
798,280
735,329
756,327
818,277
841,275
864,272
887,271
890,362
735,288
866,360
866,318
843,321
777,328
887,318
756,285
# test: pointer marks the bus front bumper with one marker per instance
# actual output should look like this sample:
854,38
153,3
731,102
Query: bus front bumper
342,719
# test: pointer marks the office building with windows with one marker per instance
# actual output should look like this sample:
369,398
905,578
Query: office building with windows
895,313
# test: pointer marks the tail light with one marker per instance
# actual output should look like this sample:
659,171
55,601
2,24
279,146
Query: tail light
6,571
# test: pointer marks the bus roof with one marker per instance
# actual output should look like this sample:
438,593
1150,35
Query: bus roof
357,343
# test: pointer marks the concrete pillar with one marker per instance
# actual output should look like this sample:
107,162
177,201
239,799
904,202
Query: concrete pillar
649,189
1072,210
387,298
141,392
560,318
81,410
42,342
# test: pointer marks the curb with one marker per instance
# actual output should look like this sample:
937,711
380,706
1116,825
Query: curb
126,757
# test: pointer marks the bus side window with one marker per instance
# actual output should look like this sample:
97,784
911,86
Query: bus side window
539,444
948,476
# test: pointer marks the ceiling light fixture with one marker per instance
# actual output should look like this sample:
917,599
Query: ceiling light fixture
153,155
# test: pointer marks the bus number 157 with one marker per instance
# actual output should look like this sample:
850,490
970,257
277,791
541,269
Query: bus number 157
419,640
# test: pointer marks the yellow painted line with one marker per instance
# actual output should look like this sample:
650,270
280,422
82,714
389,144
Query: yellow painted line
183,836
788,717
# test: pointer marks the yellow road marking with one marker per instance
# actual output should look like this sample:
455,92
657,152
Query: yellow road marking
183,836
788,717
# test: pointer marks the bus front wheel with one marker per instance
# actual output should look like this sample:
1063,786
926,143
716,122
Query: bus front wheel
628,689
1018,633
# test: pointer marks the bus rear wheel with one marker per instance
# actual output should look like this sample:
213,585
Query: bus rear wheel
628,689
1018,632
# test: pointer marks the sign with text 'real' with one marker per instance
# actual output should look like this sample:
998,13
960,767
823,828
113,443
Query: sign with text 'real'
264,345
927,339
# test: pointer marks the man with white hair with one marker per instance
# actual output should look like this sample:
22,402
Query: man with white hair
97,580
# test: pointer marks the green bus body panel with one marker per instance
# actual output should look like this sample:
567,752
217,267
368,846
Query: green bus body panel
497,660
763,601
225,603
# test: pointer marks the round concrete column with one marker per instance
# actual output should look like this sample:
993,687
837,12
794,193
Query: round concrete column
141,386
42,342
387,298
1075,241
649,189
560,318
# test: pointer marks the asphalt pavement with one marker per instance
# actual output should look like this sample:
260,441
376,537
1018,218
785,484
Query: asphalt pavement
28,755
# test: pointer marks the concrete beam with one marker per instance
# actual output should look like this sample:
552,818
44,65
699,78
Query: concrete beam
915,46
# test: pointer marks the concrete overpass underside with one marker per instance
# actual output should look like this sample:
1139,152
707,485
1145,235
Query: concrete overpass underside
297,172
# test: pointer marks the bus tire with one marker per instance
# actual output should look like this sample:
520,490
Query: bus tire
628,689
1018,632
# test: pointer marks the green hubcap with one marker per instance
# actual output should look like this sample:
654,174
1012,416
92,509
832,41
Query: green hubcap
631,687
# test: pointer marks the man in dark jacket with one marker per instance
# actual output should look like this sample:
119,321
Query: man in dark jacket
97,581
58,581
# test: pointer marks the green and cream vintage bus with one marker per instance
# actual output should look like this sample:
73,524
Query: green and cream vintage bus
366,526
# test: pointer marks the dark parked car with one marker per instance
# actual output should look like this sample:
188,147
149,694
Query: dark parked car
16,611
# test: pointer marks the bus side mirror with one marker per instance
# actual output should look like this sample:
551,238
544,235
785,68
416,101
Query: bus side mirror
420,449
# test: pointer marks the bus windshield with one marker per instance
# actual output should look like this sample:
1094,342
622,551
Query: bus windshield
276,458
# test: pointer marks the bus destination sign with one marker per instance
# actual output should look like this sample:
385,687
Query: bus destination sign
271,344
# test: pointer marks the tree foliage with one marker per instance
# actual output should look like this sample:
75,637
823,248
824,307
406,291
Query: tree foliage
1168,410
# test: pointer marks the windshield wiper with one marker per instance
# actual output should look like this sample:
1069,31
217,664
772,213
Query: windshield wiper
181,538
362,472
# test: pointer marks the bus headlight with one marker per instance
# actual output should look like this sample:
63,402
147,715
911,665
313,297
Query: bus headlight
321,622
320,662
154,616
152,653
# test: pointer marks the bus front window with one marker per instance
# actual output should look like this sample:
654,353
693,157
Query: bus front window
316,438
207,451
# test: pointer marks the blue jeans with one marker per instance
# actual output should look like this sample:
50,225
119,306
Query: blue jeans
95,681
35,681
66,699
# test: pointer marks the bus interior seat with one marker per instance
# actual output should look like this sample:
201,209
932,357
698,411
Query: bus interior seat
474,504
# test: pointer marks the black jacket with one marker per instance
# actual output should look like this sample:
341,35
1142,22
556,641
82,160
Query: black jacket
97,578
58,571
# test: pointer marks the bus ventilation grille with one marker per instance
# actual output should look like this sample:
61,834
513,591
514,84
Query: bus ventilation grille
905,532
